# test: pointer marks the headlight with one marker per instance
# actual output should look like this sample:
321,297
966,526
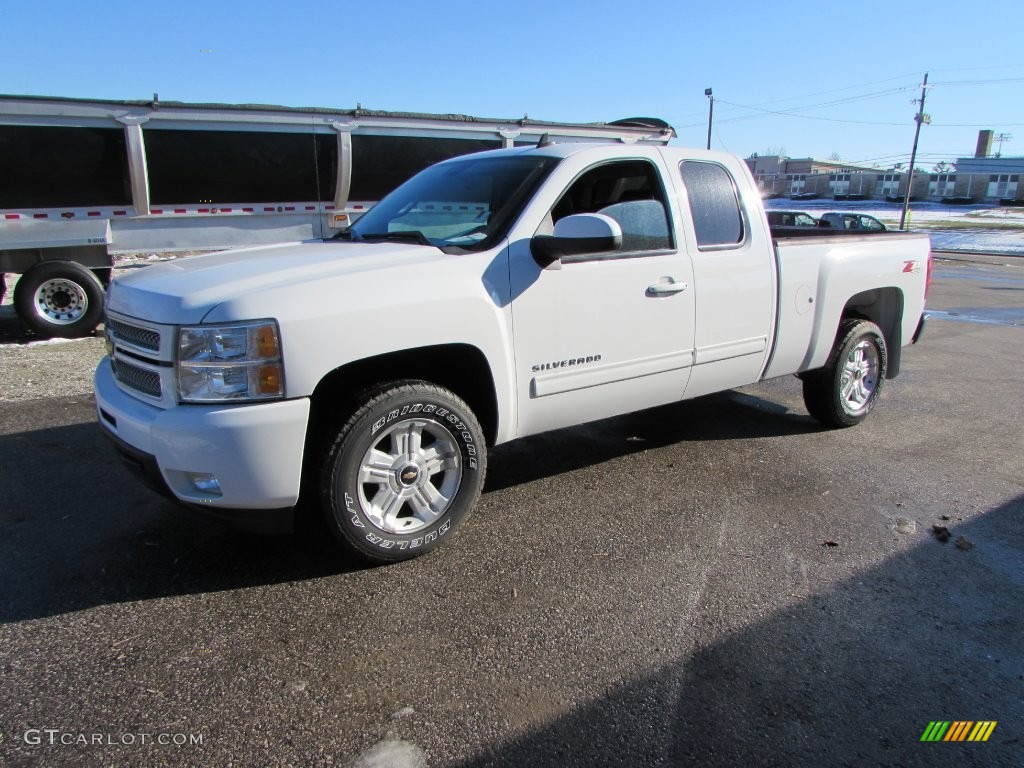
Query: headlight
230,362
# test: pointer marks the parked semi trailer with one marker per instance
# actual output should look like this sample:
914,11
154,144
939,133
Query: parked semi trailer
82,180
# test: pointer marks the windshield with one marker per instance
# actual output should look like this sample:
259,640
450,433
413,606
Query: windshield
459,206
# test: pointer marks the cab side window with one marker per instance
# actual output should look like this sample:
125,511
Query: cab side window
714,205
630,192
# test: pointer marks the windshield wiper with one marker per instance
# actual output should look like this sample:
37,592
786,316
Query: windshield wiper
408,235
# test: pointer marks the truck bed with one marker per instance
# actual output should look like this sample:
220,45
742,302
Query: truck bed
819,275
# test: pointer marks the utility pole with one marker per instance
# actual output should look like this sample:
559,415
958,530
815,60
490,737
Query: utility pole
919,118
711,112
1001,137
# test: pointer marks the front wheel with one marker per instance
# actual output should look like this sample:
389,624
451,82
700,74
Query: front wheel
843,392
403,471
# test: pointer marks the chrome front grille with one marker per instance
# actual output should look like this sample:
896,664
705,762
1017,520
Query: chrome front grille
134,377
142,357
142,338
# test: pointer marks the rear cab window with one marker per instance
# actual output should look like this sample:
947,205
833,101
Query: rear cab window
718,219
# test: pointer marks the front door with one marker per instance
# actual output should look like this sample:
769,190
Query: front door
604,334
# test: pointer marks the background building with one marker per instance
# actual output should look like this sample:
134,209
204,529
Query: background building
980,179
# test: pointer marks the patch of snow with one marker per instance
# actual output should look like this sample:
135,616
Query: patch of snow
392,753
48,342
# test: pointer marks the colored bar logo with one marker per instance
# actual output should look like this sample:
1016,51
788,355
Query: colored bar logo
958,730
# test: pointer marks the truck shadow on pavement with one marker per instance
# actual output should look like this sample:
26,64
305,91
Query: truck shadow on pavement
731,415
78,530
850,674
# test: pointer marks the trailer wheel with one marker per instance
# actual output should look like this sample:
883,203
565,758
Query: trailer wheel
59,298
843,392
402,472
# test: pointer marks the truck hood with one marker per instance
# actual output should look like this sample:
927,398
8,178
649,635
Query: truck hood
186,290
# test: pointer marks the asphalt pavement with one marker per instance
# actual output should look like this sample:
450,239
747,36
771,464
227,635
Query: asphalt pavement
719,582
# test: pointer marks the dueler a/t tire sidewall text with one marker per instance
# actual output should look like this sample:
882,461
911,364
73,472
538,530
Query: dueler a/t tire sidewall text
381,409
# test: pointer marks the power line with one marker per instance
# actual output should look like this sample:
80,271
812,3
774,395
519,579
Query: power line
978,69
792,112
981,82
838,90
796,111
822,93
781,113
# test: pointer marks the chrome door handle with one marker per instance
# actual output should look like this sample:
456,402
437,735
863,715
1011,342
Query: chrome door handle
666,288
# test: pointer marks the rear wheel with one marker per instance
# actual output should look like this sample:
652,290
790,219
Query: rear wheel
59,298
402,472
843,393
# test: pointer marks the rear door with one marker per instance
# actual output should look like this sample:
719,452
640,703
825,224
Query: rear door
734,278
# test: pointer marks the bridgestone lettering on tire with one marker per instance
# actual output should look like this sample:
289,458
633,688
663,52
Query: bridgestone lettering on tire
59,298
402,472
843,393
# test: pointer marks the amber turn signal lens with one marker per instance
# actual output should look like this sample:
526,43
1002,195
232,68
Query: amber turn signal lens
268,380
266,342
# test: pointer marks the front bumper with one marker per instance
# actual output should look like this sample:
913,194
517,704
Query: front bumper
253,450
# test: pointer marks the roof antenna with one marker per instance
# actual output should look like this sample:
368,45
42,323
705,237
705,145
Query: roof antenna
545,141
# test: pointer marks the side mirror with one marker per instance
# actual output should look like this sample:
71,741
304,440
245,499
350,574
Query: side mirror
577,235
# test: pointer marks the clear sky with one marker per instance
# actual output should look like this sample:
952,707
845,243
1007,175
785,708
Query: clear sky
810,78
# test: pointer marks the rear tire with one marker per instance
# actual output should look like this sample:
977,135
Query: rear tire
59,298
402,472
843,393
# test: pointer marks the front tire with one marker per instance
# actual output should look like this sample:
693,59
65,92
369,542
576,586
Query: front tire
402,472
59,298
843,393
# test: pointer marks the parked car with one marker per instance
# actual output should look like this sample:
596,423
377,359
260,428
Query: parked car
791,219
858,222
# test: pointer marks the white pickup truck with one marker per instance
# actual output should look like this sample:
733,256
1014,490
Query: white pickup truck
490,297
